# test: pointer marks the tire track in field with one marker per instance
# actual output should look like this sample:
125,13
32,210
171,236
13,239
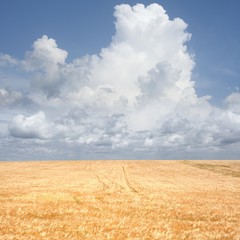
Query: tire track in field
105,186
117,185
89,169
136,183
127,181
106,182
110,185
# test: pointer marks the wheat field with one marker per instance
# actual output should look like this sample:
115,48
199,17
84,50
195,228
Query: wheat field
120,200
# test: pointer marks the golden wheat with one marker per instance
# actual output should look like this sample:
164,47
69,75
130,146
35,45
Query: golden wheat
120,200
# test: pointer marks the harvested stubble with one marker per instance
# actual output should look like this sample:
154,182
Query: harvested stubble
120,200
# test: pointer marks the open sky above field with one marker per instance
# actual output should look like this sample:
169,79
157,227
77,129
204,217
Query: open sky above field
119,79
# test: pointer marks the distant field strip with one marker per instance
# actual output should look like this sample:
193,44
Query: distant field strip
120,200
218,167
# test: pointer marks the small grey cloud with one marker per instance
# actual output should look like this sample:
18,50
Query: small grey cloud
35,126
8,97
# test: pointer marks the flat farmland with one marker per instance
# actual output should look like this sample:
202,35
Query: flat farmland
120,200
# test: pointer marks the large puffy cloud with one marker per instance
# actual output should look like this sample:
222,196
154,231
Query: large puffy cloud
46,60
135,98
45,55
144,37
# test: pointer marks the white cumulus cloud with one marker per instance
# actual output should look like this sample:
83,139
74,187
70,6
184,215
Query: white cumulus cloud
233,102
7,60
35,126
135,96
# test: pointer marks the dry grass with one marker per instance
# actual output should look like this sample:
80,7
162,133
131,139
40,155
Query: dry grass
120,200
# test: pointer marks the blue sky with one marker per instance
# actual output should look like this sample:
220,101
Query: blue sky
85,27
31,96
